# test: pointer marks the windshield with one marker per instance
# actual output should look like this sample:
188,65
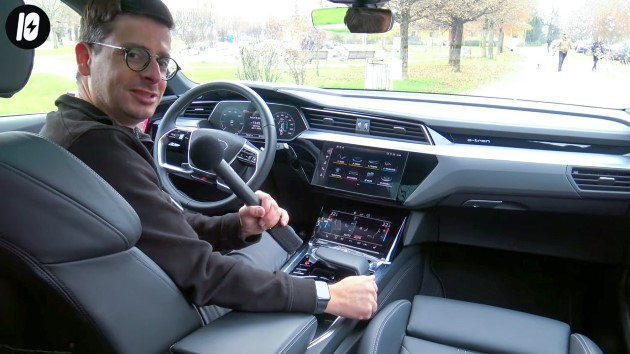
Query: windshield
563,51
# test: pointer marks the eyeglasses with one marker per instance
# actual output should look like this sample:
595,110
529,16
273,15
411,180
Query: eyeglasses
138,59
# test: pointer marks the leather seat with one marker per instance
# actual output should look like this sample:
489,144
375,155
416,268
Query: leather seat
71,278
67,244
439,326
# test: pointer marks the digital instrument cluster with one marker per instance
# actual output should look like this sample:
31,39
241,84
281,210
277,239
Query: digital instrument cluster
355,169
242,118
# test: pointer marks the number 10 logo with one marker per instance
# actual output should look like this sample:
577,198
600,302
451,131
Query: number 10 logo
28,26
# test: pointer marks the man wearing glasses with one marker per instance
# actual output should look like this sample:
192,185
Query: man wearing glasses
123,65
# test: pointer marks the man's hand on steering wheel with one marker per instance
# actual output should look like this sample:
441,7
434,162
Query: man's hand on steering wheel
256,219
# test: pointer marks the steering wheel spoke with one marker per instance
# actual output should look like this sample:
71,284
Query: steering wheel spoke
172,155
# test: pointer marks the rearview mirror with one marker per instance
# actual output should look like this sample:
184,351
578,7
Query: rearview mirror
353,19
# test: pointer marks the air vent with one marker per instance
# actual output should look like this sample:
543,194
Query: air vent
365,124
608,180
199,109
398,130
335,121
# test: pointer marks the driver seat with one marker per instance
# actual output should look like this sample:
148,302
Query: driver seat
67,243
76,283
71,279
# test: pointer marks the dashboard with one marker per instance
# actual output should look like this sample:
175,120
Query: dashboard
417,151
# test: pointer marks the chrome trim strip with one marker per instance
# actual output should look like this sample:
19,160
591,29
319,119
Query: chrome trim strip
162,151
329,332
475,151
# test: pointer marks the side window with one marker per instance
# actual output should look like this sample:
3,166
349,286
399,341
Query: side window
54,67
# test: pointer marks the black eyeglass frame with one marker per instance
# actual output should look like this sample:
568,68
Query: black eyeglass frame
146,64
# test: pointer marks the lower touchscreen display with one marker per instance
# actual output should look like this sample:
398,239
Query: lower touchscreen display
369,171
360,230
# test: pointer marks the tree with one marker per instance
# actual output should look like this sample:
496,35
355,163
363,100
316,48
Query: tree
407,12
259,61
455,14
61,18
512,14
536,34
610,19
194,24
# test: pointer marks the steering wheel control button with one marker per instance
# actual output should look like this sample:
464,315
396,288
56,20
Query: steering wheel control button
247,157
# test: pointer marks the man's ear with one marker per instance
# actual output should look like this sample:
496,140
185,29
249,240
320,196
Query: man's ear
83,54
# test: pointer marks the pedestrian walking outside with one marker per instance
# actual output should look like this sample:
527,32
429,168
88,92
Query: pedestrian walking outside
563,49
598,50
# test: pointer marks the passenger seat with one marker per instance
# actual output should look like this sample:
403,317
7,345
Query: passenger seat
438,326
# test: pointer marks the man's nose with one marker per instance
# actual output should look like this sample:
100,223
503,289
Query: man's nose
152,71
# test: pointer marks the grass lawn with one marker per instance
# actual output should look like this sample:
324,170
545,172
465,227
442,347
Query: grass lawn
38,95
428,72
436,76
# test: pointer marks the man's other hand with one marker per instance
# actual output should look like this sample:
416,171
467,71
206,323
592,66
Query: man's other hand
353,297
256,219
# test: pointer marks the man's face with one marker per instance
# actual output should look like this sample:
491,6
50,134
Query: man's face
127,96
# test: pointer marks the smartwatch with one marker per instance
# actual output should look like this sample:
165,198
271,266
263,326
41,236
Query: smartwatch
323,296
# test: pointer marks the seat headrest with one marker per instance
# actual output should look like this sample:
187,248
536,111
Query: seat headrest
17,63
57,209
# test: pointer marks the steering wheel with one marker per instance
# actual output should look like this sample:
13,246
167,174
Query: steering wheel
237,150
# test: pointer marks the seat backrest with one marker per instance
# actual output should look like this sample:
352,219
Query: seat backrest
67,240
17,63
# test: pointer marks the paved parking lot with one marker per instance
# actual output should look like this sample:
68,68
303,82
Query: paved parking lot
538,79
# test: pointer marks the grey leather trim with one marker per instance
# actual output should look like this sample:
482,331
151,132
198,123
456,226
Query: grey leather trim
401,279
485,328
442,326
387,329
579,344
130,300
241,332
416,345
42,180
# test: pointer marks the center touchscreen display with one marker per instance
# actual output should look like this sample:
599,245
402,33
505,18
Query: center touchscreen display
369,233
361,170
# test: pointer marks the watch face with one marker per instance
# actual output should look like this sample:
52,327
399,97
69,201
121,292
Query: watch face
323,293
323,296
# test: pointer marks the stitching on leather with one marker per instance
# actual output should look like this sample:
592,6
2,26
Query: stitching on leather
400,279
43,185
150,268
406,350
89,170
583,343
51,280
311,323
382,325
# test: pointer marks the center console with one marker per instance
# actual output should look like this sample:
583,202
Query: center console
349,238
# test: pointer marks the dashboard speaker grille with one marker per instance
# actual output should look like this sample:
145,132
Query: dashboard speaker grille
595,179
